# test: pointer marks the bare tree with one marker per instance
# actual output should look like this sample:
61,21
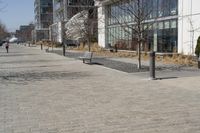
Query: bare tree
135,17
3,31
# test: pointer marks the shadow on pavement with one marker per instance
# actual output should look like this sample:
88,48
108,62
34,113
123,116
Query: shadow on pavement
95,63
162,78
10,55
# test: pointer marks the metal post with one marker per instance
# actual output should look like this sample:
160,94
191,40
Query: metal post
199,62
152,65
63,50
41,47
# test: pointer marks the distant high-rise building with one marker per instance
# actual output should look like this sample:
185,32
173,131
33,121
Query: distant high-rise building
24,33
43,13
43,19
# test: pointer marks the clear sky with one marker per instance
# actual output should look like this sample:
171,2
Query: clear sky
16,13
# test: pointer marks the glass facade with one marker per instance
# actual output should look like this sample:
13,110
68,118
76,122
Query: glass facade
43,13
159,24
58,7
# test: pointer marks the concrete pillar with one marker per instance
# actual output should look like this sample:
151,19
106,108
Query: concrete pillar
155,41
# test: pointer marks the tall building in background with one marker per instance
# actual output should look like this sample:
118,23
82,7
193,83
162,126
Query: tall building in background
24,33
43,19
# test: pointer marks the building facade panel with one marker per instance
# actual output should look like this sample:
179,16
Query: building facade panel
189,25
55,32
101,26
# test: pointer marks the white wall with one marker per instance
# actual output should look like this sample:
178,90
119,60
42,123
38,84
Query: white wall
60,32
189,14
56,32
101,26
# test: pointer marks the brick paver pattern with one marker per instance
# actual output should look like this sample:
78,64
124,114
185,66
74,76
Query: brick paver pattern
47,93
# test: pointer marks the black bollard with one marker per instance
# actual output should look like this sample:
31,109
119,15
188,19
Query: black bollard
152,65
63,50
116,48
199,63
41,47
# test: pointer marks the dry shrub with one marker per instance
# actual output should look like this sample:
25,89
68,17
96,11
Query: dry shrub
43,42
95,47
145,56
180,59
49,43
81,47
84,47
103,52
124,54
39,43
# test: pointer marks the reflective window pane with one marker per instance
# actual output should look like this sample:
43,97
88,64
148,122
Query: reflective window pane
166,23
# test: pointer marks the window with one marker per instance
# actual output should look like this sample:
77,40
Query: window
150,8
166,24
173,24
160,25
173,7
120,13
163,8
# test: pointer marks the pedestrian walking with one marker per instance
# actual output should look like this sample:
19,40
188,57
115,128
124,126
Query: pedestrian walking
7,46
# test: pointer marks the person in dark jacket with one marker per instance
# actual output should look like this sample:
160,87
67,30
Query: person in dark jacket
7,46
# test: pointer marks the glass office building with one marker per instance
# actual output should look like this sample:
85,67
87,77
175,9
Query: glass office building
43,13
159,25
43,10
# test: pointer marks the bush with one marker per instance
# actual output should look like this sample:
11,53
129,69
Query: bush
197,49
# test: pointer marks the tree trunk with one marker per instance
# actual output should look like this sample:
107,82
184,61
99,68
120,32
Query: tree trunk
88,42
52,47
139,26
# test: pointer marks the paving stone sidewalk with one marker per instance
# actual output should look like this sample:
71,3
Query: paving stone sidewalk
48,93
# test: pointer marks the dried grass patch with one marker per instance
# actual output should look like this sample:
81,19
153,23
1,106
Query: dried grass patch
180,59
48,43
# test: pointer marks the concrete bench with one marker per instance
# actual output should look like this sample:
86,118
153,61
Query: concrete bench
87,56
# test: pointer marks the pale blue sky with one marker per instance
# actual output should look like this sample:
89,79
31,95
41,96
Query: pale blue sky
16,13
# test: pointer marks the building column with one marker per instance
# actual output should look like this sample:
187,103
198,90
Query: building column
101,27
155,41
